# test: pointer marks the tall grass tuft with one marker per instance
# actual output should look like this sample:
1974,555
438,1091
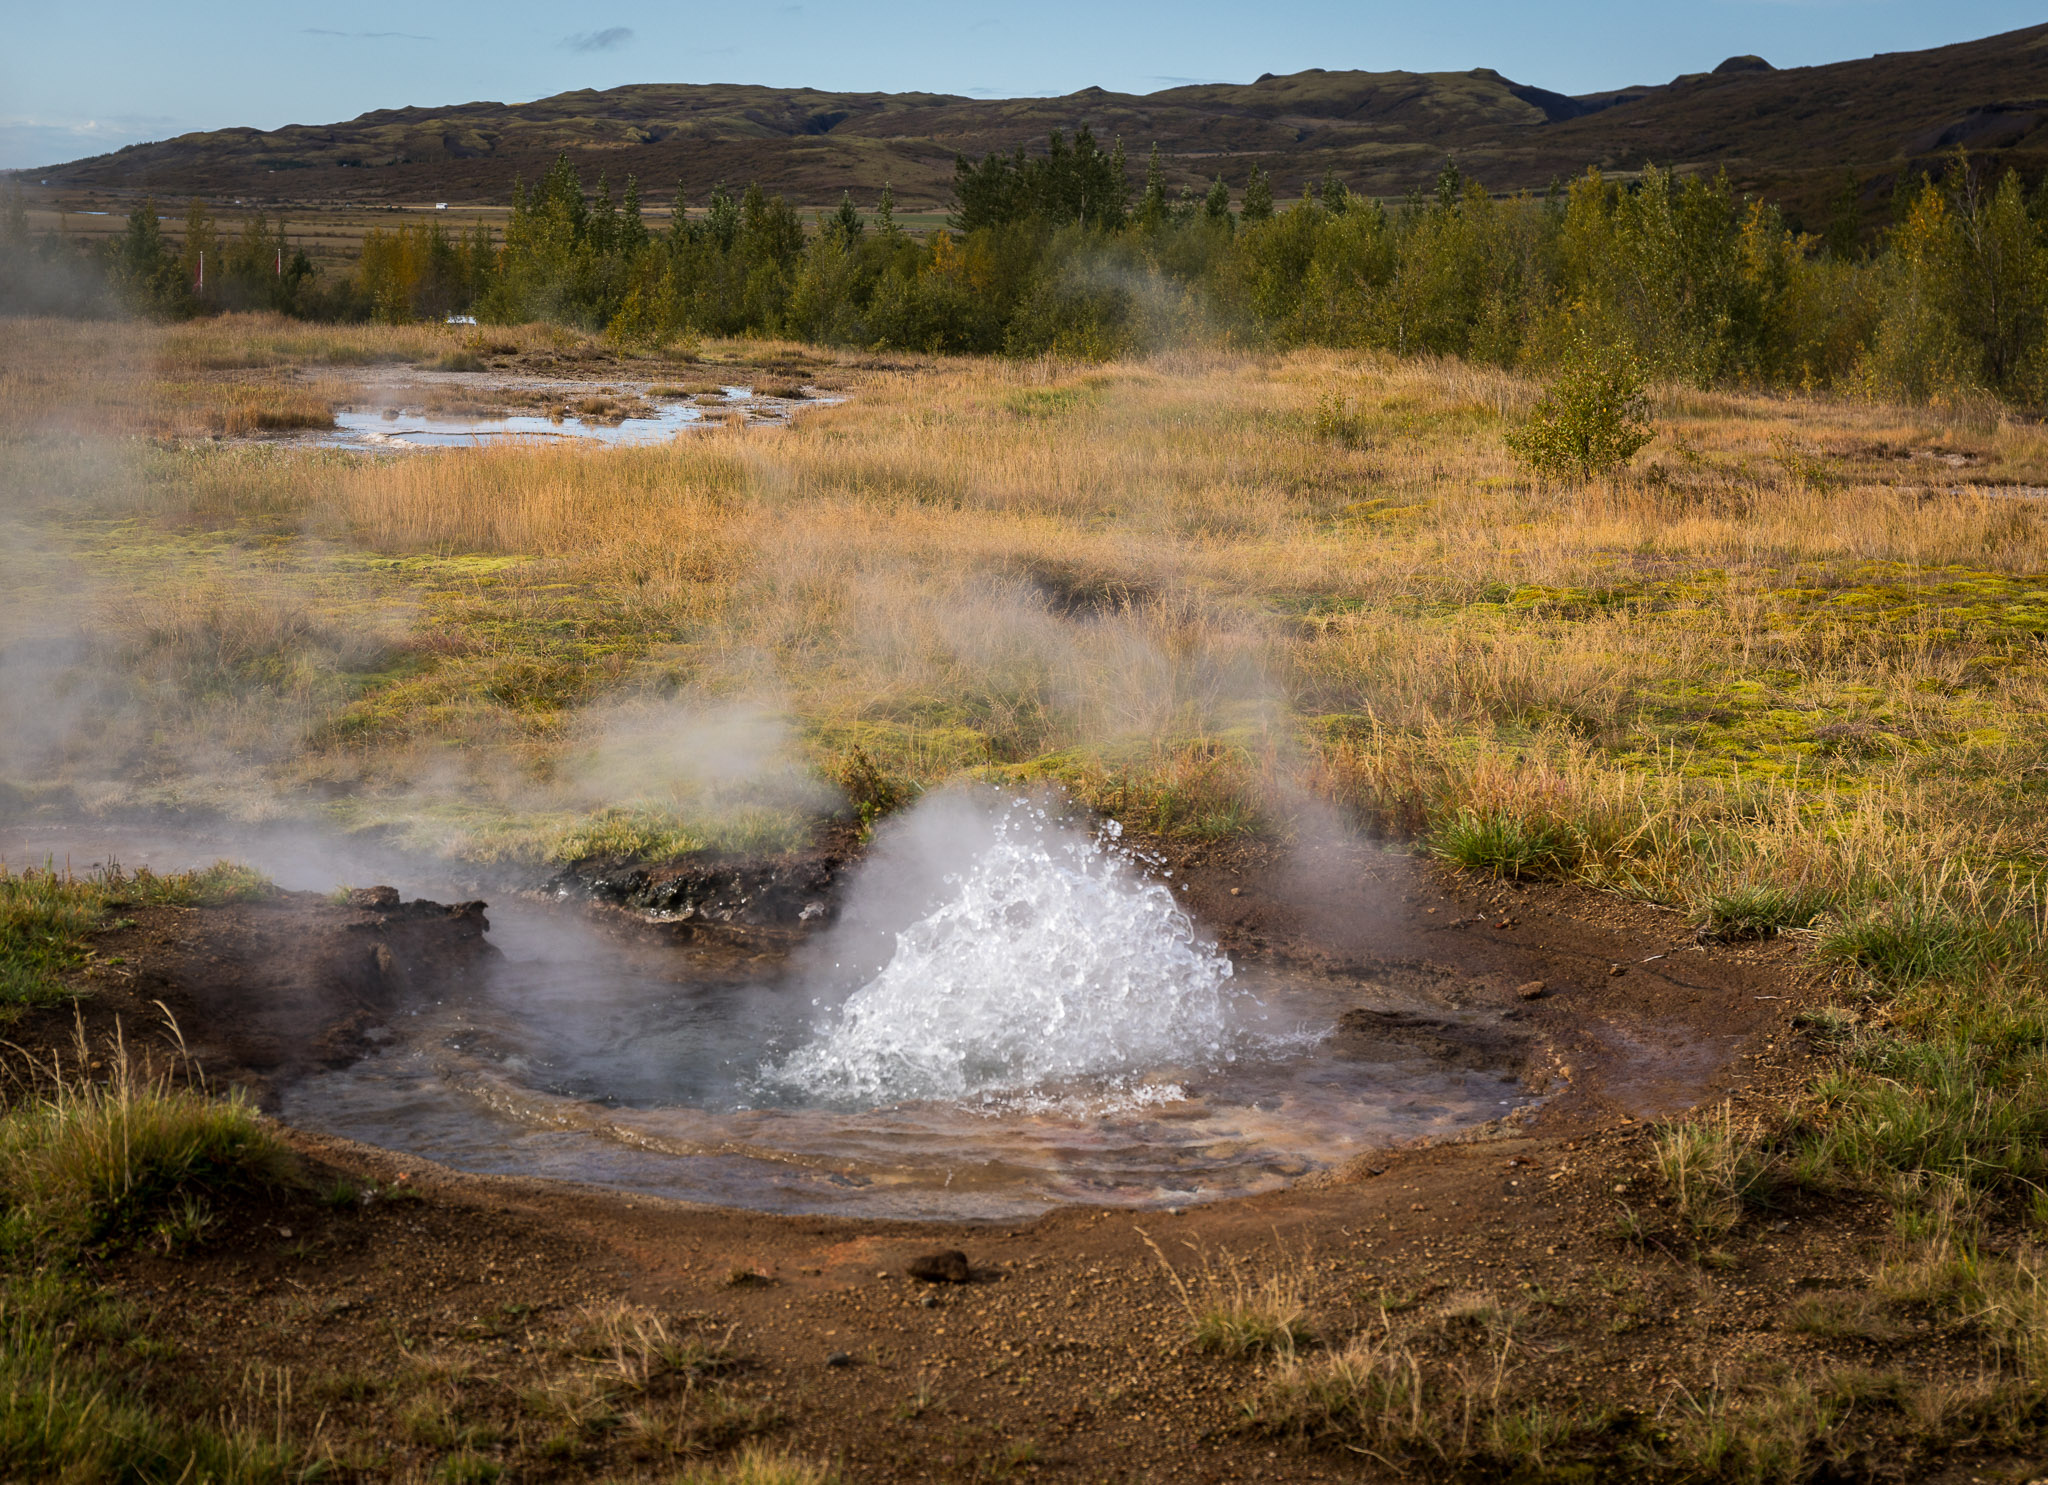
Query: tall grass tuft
1715,1174
88,1162
1386,1395
755,1465
1235,1311
1760,910
1505,844
1911,943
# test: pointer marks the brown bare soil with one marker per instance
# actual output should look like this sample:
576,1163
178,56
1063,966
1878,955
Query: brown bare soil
1069,1354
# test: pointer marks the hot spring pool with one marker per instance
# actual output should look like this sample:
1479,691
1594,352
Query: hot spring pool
1007,1015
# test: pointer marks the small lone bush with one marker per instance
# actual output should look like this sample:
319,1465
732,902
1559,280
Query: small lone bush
1591,420
872,792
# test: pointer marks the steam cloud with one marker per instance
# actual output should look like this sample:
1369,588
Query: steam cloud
712,759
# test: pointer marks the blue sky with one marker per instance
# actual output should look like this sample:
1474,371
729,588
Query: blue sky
79,79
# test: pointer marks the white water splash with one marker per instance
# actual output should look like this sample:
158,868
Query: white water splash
1051,958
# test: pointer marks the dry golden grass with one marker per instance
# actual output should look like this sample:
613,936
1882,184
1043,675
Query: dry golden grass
1169,580
122,379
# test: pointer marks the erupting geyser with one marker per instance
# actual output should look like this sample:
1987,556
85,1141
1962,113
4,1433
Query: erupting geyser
1050,960
1005,1014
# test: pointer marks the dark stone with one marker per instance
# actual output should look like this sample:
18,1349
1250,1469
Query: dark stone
839,1358
948,1267
775,894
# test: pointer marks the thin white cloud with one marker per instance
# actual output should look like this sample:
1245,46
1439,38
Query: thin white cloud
610,39
366,35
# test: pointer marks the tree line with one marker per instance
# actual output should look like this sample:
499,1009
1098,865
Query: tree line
1055,252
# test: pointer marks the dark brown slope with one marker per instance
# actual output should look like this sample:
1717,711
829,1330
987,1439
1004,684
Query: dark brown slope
1790,132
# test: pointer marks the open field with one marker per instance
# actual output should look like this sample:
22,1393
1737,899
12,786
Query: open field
1782,683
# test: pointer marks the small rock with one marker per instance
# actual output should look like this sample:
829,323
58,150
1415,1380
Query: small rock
1531,990
930,1301
947,1267
839,1358
1616,969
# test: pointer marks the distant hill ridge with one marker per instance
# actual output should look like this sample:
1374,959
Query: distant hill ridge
1787,132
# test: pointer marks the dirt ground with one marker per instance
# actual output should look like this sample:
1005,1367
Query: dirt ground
1068,1353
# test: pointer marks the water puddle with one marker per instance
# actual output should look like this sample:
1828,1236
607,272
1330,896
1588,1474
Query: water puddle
421,430
453,411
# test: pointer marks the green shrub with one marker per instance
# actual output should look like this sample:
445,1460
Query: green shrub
1335,420
1592,418
872,792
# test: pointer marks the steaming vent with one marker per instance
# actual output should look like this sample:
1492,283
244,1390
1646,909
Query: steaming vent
1051,965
